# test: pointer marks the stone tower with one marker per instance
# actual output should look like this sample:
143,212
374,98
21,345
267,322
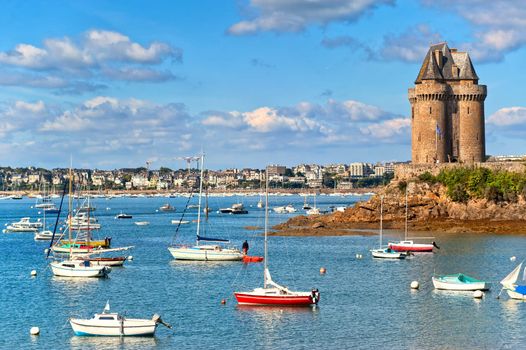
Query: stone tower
447,109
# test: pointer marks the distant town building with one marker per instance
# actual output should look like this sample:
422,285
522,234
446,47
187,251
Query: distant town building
278,170
447,109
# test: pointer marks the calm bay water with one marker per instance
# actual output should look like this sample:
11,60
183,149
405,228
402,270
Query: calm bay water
365,303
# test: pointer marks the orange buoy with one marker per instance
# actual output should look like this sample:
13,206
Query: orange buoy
223,301
323,270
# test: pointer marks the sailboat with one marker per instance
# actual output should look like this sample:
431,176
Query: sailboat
204,252
75,267
409,245
44,234
273,293
509,283
313,210
385,253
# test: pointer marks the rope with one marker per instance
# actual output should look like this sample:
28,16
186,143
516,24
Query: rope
182,215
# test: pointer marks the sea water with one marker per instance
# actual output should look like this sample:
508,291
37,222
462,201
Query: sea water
365,303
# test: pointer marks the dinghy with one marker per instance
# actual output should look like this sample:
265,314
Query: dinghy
385,253
459,282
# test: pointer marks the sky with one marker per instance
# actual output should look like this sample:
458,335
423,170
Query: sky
249,82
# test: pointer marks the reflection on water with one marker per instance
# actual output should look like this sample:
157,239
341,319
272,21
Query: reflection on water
101,343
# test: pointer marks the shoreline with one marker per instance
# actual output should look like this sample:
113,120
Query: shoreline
447,226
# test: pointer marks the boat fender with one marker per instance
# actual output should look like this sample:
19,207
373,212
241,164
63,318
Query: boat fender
315,296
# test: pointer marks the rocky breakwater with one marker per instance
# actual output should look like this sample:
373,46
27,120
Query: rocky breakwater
429,208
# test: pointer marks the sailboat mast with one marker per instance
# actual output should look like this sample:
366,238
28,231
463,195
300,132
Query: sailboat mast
381,218
265,260
405,231
200,192
70,204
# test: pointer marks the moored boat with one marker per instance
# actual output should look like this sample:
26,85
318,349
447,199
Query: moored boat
123,216
509,283
272,293
113,324
166,207
78,268
459,282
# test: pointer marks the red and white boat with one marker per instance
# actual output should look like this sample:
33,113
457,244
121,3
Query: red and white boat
410,246
272,293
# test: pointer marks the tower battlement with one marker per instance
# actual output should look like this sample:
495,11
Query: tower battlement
447,109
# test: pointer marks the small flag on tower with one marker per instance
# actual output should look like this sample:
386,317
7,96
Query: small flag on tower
439,132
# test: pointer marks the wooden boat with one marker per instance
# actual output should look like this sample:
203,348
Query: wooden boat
385,253
509,283
114,324
204,252
459,282
272,293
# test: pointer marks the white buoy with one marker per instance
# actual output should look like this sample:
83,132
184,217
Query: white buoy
130,257
478,294
415,285
46,251
156,210
33,273
513,258
34,331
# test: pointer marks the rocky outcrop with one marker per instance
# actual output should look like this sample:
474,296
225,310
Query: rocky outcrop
428,208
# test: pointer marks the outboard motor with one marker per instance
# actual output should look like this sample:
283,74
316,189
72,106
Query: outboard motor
435,245
315,296
157,319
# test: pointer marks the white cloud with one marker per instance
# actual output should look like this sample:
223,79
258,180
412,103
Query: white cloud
508,116
389,129
77,66
295,15
411,45
499,26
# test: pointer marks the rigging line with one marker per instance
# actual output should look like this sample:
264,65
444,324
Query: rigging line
57,220
182,215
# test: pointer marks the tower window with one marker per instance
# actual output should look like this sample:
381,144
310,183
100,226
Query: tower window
468,110
418,136
431,110
477,136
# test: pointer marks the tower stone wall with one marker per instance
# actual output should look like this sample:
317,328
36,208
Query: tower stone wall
447,110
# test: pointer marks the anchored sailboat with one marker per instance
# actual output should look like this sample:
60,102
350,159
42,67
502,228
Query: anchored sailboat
273,293
509,283
204,252
385,253
409,245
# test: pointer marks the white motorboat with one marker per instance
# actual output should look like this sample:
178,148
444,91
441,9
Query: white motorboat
313,211
78,268
25,223
207,252
279,210
46,236
459,282
182,222
113,324
142,223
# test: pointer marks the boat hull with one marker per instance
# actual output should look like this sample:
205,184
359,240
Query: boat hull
382,254
305,299
515,295
59,269
127,327
118,261
199,254
412,247
457,286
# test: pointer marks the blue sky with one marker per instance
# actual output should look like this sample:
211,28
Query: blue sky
251,82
